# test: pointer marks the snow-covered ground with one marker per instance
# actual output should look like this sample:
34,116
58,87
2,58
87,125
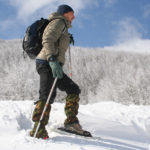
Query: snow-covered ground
120,127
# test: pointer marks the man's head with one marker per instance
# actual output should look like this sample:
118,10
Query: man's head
66,11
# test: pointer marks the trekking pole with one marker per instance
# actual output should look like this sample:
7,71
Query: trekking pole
70,63
48,99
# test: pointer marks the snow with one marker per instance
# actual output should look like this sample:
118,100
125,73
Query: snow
120,127
118,73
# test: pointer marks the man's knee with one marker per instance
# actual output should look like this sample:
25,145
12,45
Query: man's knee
75,90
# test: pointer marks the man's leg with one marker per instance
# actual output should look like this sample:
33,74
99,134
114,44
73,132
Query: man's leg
72,99
71,109
42,133
72,105
46,81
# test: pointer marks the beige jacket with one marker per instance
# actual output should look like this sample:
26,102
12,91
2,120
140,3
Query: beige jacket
56,38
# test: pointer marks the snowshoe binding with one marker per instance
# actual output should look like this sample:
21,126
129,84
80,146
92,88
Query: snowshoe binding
75,128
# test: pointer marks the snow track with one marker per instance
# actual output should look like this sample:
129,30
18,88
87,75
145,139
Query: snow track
120,127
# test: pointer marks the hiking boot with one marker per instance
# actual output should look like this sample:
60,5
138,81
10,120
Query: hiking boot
42,133
74,127
77,129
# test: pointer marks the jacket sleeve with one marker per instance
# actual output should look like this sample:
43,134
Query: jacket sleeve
51,35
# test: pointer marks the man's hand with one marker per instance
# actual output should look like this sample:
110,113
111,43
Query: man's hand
56,69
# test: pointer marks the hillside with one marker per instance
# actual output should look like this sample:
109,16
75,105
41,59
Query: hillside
106,74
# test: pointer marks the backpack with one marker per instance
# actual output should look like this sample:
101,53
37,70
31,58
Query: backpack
32,42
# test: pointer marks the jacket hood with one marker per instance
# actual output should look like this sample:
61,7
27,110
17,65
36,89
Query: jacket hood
58,16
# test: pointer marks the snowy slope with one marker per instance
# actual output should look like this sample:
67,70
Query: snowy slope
115,73
121,127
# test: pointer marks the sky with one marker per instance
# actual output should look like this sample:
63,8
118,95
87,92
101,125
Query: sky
98,23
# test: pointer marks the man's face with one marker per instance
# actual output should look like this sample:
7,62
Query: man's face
70,16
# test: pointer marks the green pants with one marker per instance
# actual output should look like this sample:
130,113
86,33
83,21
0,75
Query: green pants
71,110
38,112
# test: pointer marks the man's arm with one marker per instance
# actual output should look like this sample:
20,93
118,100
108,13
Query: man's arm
50,36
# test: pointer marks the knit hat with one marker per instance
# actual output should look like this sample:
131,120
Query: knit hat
62,9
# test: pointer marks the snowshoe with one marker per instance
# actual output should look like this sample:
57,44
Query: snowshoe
75,128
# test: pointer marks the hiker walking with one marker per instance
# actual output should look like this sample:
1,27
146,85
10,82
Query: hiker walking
49,65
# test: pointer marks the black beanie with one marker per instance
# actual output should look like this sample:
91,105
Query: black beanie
62,9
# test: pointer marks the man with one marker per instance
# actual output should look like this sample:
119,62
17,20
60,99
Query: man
49,63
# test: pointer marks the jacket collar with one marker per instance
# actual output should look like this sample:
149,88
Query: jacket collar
58,16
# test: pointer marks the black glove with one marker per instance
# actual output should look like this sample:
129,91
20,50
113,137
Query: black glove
71,39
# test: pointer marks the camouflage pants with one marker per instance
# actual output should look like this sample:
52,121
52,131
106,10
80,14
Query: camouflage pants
38,112
42,133
71,110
